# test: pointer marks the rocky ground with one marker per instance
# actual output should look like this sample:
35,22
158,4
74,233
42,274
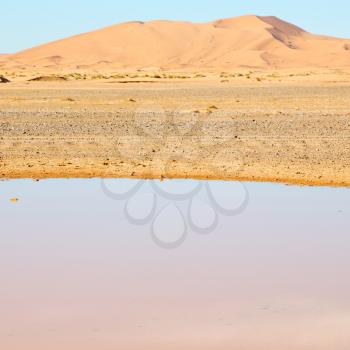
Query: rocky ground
292,132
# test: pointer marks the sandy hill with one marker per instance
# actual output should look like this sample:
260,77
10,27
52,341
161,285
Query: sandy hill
247,41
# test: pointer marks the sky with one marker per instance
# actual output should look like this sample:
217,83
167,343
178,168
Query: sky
27,23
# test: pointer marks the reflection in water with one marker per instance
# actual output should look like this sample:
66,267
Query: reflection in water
156,203
78,269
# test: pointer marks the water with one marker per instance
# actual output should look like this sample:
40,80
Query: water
123,264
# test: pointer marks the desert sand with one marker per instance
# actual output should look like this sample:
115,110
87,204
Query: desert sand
247,41
248,98
283,127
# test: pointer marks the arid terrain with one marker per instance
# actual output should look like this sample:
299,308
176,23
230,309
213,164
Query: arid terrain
246,41
251,98
283,126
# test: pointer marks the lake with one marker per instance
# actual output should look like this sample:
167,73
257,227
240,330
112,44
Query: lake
128,264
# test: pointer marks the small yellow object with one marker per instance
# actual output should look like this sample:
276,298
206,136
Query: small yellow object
14,200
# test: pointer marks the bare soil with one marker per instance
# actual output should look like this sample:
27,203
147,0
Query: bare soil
286,131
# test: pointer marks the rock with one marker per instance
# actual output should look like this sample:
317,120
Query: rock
49,78
4,80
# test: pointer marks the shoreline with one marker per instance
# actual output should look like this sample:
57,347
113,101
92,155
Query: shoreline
257,179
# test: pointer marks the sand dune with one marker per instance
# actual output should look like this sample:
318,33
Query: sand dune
3,57
247,41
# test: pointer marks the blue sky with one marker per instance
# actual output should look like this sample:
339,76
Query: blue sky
26,23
